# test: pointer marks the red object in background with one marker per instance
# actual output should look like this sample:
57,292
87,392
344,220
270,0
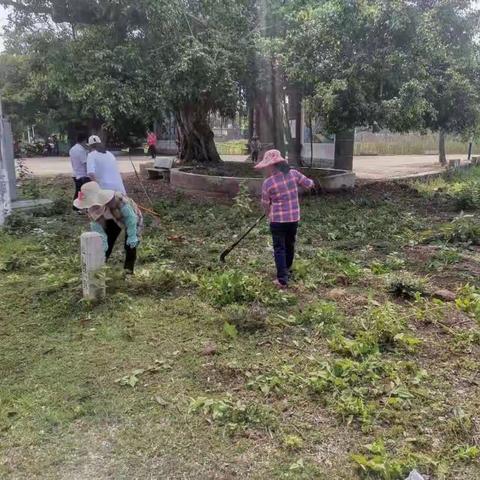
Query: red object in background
151,139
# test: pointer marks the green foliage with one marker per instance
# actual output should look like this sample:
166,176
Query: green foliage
379,463
356,389
231,286
336,264
292,442
391,263
277,382
444,257
364,79
462,229
350,372
466,195
230,330
107,71
468,453
321,314
234,147
461,424
406,286
233,415
243,204
384,327
468,300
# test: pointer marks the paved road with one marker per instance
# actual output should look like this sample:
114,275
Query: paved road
372,168
384,167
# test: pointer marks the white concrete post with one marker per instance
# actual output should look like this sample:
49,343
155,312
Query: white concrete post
5,202
93,259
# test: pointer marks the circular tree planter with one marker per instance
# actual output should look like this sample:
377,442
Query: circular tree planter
211,186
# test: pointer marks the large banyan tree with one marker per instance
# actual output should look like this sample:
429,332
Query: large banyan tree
121,63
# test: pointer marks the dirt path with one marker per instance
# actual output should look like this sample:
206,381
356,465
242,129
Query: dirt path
368,167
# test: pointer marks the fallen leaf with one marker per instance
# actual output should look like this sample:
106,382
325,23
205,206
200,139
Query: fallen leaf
161,401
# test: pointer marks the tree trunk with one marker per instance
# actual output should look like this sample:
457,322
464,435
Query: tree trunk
294,113
277,110
344,144
196,138
442,155
251,121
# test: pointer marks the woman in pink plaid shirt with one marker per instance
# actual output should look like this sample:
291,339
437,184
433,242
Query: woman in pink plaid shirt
280,201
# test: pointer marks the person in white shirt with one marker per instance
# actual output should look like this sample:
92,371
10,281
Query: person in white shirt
102,167
78,158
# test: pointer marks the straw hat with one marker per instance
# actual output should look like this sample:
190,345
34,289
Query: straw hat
270,158
92,195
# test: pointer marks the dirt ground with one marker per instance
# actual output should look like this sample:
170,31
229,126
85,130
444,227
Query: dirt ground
366,167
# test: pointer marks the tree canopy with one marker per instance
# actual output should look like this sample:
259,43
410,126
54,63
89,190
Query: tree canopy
399,64
127,65
363,61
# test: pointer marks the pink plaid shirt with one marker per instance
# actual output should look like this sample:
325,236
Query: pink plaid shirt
280,195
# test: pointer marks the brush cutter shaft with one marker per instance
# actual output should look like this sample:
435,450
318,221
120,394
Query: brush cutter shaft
232,247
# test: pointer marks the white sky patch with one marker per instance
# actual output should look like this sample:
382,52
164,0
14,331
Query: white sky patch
3,21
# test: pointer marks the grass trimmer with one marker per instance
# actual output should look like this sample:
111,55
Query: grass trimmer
226,252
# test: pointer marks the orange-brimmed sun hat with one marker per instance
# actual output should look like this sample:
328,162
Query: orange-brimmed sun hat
92,195
270,158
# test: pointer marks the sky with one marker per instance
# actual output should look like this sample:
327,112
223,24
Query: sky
3,19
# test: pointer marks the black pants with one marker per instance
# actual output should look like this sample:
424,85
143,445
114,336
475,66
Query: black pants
255,156
113,231
152,150
284,236
79,182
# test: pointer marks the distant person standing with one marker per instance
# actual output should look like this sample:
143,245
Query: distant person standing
78,158
152,144
255,147
102,167
56,146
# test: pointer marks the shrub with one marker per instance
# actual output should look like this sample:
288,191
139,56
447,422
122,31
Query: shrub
462,229
229,287
242,206
381,464
233,415
466,195
292,442
468,301
19,222
379,329
406,286
321,313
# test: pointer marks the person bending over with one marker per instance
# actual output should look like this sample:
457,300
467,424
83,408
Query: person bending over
111,213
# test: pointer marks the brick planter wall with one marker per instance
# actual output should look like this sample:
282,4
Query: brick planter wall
222,187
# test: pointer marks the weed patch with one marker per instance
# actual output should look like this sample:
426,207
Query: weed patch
233,415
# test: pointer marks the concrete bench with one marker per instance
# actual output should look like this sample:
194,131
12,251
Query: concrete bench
161,168
454,163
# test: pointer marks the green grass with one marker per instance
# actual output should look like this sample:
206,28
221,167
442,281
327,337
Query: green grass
197,370
410,145
232,147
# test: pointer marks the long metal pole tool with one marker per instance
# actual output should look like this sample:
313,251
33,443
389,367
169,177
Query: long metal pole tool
140,180
226,252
